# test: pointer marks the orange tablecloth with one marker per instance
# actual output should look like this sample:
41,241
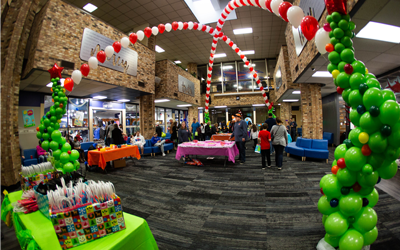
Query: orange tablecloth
100,158
221,137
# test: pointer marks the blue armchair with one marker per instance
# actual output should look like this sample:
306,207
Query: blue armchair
27,154
329,137
85,147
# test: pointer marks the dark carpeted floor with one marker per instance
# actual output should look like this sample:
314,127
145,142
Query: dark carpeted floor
234,207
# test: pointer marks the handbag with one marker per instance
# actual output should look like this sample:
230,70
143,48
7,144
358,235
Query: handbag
258,149
273,135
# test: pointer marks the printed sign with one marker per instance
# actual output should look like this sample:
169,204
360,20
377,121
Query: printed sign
29,118
185,86
278,78
124,61
78,119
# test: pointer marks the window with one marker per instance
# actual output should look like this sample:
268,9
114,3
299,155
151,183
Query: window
229,77
160,118
132,119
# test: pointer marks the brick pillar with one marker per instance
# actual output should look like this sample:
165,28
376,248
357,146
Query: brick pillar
286,112
192,68
193,112
151,43
18,19
147,114
311,108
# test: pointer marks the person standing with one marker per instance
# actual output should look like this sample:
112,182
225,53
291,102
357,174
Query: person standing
158,130
293,127
174,134
214,129
280,141
271,122
208,130
264,138
240,134
139,141
109,133
203,132
254,135
117,135
183,134
195,126
158,142
231,124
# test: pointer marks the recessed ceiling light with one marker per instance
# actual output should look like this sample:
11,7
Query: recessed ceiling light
296,92
248,52
184,105
219,107
161,100
380,32
279,104
200,108
227,67
99,97
242,31
159,49
290,100
177,62
50,84
220,55
322,74
90,7
202,79
124,100
258,105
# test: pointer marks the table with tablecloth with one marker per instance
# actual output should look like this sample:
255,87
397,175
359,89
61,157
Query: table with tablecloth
221,137
227,149
100,158
38,232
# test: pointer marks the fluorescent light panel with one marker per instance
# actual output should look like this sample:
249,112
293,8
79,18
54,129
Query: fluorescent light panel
242,31
124,100
184,105
177,62
99,97
322,74
227,67
290,100
296,92
161,100
159,49
381,32
220,55
219,107
248,52
90,7
258,105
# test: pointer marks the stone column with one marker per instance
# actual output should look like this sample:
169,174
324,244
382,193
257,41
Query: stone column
18,18
286,112
192,68
151,43
193,112
147,112
311,108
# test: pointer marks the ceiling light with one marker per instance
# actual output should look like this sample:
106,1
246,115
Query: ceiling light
184,105
380,32
290,100
90,7
202,79
279,104
99,97
159,49
200,108
322,74
220,55
258,105
227,67
220,79
248,52
242,31
50,84
161,100
177,62
296,92
219,107
124,100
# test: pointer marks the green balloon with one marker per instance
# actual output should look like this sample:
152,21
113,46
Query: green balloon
343,80
356,79
39,135
372,97
366,220
358,66
376,160
367,169
345,94
377,143
324,206
50,130
346,17
350,204
324,179
347,55
351,240
370,236
59,111
352,25
369,124
354,159
348,143
336,17
349,33
355,117
355,98
46,145
333,25
386,171
389,112
59,116
53,146
353,136
63,140
370,76
338,33
366,190
53,119
334,41
64,157
66,147
346,177
41,128
388,95
56,99
373,198
56,136
334,57
334,163
392,153
332,240
68,167
339,48
52,112
46,122
56,126
346,41
373,83
45,136
331,188
329,18
74,155
341,65
336,224
331,67
340,151
343,24
56,154
76,165
56,104
367,180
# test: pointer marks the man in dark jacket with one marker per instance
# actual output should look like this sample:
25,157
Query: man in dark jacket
158,130
293,127
240,134
271,122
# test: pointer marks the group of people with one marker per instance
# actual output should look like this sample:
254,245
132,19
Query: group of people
114,134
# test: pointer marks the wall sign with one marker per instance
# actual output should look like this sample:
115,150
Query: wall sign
185,86
78,119
278,78
310,8
125,61
29,118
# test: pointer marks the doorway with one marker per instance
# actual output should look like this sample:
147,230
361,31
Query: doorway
99,119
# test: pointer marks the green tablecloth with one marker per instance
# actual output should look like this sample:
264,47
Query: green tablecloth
137,234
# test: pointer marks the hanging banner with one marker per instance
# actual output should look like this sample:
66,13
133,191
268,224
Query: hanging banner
78,119
29,118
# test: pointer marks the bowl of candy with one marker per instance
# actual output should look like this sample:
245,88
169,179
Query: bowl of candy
195,141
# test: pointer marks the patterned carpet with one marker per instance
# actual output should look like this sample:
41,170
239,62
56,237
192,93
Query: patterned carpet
234,207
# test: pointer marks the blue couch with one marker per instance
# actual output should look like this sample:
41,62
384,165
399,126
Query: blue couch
300,132
167,148
167,136
329,137
27,154
313,148
85,146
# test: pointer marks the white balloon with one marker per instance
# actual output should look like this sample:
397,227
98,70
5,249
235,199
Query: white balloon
125,42
295,14
228,41
168,27
239,3
76,76
154,30
200,27
275,6
239,53
140,35
180,25
208,29
190,25
262,4
93,62
244,59
321,40
109,51
234,46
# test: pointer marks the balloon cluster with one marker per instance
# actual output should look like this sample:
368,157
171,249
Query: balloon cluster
368,154
47,131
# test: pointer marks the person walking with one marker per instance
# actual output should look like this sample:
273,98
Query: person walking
158,142
195,126
208,130
293,127
280,141
139,141
271,122
254,135
240,134
264,138
174,134
184,134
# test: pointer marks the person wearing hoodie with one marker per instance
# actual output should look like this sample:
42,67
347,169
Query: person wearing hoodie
158,142
42,154
139,141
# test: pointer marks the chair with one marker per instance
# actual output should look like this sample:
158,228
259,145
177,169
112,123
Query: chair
300,131
85,147
319,150
27,154
328,136
147,148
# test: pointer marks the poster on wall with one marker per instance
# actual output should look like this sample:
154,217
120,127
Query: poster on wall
78,119
185,85
29,118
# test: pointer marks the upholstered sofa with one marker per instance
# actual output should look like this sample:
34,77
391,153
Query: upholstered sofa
312,148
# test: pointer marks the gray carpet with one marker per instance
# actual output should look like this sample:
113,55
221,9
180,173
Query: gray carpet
234,207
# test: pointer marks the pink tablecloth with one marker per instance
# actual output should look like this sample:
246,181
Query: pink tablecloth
229,149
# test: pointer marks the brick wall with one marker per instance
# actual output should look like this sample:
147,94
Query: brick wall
311,106
286,112
245,100
284,64
147,118
192,68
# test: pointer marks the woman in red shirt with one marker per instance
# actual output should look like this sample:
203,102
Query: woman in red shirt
264,138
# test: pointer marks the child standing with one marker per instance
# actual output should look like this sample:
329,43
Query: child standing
264,138
254,135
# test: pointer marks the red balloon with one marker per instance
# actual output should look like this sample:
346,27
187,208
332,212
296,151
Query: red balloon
161,28
268,5
61,105
309,27
231,44
195,26
207,101
175,25
339,90
242,56
69,152
356,187
85,69
348,69
264,94
272,103
327,27
283,8
334,169
204,28
37,129
117,46
251,68
221,34
208,89
341,163
133,38
329,47
69,84
247,63
185,25
336,5
322,192
237,50
261,88
101,56
365,150
224,38
147,31
211,30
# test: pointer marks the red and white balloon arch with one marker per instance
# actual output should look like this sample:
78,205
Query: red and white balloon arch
285,10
